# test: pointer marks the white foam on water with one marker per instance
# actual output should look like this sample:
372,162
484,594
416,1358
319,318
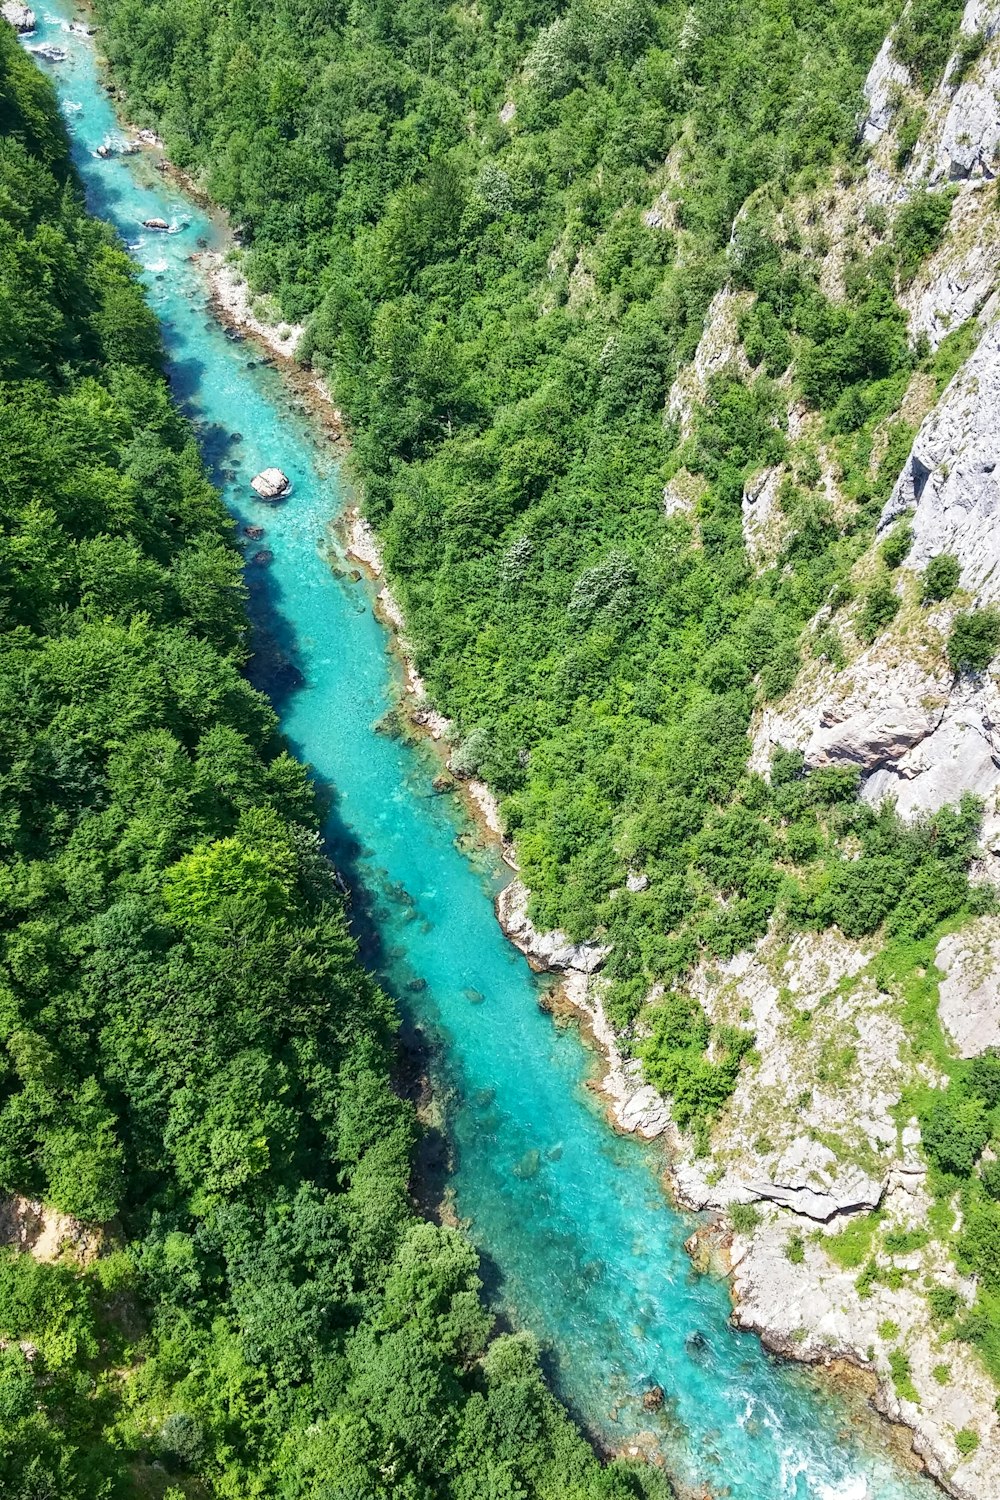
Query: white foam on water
851,1489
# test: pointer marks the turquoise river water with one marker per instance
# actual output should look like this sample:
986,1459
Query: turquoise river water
578,1240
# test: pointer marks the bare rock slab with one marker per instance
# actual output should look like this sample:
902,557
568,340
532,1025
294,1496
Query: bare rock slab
969,1004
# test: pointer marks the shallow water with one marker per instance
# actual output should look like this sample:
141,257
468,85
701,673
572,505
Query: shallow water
579,1243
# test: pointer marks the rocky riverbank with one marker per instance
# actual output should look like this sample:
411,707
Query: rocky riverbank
832,1259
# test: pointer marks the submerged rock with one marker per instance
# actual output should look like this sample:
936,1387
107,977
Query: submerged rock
653,1399
271,484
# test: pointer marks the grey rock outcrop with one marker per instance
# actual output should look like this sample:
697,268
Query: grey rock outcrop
19,16
885,78
545,951
761,512
951,479
969,994
964,143
868,716
961,754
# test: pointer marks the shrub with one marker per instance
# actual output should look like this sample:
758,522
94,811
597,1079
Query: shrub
974,639
919,229
879,608
182,1439
966,1441
943,1302
903,1241
897,544
990,1175
795,1248
955,1131
968,49
942,1374
941,577
744,1217
899,1365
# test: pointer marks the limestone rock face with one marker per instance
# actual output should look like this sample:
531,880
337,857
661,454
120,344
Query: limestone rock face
545,951
951,478
19,16
969,1004
271,484
885,76
761,511
965,143
869,716
719,348
961,754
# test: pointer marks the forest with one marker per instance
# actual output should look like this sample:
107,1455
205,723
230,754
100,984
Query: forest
453,199
503,225
194,1068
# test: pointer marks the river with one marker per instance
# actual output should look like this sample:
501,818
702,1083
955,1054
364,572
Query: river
579,1242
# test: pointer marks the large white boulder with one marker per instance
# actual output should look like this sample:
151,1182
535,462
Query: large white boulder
271,484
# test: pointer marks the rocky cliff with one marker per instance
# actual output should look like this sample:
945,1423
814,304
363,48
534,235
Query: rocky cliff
817,1159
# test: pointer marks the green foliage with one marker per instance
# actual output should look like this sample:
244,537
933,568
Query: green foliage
919,229
879,607
966,1441
943,1302
676,1058
901,1371
896,546
924,37
795,1249
955,1131
851,1246
974,639
189,1048
744,1217
941,577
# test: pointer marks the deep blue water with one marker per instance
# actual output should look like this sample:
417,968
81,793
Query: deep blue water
580,1244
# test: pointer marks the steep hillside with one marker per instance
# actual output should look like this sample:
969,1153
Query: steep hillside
668,338
212,1281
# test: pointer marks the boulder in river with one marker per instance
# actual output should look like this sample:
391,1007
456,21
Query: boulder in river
653,1399
19,16
253,532
49,52
160,224
271,484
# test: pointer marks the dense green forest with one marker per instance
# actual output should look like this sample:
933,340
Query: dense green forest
455,198
190,1054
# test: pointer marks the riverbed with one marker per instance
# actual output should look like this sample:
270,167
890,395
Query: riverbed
579,1243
